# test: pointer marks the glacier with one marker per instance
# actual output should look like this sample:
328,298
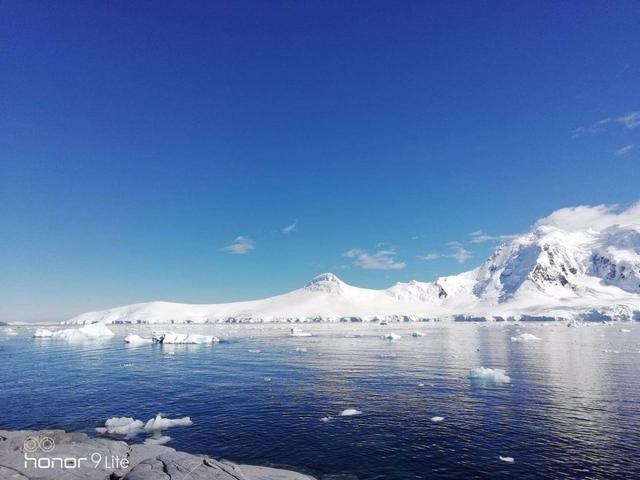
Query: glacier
577,264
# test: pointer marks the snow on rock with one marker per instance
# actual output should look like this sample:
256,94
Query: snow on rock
183,338
580,263
492,375
133,339
350,412
524,337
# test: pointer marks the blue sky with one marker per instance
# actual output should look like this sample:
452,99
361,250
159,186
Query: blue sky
142,140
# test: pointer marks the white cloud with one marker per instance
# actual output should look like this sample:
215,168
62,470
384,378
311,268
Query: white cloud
479,236
624,150
630,120
240,246
456,252
290,228
585,217
380,260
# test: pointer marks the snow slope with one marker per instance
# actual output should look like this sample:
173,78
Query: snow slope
578,263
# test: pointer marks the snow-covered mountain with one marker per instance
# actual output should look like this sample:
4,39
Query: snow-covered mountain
581,262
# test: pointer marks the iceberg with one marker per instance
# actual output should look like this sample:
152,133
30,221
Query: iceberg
350,412
391,336
125,426
133,339
297,332
493,375
159,423
93,331
524,337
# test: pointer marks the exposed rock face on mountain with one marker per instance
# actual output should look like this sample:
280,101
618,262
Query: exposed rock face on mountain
571,264
109,459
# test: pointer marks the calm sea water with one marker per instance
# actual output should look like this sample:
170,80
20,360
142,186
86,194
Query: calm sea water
572,409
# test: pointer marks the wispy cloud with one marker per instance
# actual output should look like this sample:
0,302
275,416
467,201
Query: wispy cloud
624,150
240,246
290,228
479,236
628,120
455,251
380,260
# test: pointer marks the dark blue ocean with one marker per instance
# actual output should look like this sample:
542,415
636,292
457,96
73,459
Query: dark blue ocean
572,409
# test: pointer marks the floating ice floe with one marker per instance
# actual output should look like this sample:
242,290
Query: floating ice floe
437,419
350,412
391,336
133,339
624,330
9,331
297,332
506,459
254,350
524,337
159,423
301,349
493,375
126,426
94,331
183,338
417,334
326,419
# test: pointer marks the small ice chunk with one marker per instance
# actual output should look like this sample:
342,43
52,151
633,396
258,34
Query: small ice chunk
159,423
301,349
417,334
157,440
437,419
43,333
126,426
326,419
421,384
350,412
391,336
133,339
625,330
494,375
524,337
254,350
297,332
267,379
183,338
506,459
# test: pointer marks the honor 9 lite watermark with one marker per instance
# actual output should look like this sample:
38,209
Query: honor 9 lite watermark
38,454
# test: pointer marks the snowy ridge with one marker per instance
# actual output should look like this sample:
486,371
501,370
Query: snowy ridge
578,263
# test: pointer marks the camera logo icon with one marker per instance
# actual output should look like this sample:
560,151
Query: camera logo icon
44,444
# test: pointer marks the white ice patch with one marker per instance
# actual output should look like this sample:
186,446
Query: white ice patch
493,375
326,419
159,423
506,459
157,440
125,426
437,419
624,330
94,331
417,334
254,350
524,337
133,339
301,349
391,336
350,412
183,338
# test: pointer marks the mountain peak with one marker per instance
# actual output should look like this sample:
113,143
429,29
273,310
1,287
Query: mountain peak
326,282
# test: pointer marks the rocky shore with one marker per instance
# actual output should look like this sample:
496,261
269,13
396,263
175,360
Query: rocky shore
57,455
